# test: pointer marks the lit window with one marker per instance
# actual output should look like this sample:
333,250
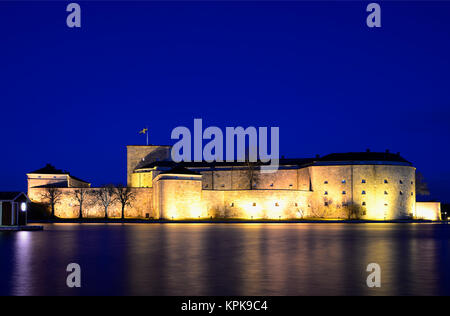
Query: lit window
363,181
343,181
363,192
343,192
385,181
326,193
23,207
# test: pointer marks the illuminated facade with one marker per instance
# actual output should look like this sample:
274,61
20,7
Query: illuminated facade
366,185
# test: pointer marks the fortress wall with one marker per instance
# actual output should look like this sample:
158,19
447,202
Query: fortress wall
139,155
283,179
428,210
257,204
399,202
178,198
303,179
35,181
142,180
68,206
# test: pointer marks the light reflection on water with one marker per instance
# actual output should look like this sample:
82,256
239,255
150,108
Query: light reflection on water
227,259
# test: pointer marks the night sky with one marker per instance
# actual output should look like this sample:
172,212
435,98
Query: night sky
76,97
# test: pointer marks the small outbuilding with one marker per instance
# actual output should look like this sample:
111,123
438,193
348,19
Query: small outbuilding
13,208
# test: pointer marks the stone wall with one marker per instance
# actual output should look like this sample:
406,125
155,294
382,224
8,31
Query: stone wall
68,206
428,210
382,191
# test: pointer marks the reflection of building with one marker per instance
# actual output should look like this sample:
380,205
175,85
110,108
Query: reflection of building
13,208
370,184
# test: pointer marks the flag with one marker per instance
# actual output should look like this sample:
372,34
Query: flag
143,131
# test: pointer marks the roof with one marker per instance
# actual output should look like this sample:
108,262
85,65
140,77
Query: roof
179,169
364,156
50,169
10,196
205,164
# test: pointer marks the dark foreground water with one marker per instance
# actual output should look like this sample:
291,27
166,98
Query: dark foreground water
227,259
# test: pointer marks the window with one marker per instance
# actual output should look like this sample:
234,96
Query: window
343,181
385,204
363,203
412,193
363,192
385,181
206,185
364,213
343,192
276,204
296,204
326,203
326,193
254,204
271,184
401,192
401,182
290,185
325,182
363,181
232,204
412,182
385,193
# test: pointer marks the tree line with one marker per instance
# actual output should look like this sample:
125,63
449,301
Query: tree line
105,196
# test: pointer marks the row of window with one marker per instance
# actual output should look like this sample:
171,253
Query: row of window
364,193
364,181
345,204
276,204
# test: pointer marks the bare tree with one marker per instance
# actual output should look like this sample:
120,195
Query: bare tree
105,197
421,185
353,211
124,195
53,196
80,195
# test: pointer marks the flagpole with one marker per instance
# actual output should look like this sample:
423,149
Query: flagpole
147,136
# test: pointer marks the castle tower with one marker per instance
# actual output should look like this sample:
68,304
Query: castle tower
139,156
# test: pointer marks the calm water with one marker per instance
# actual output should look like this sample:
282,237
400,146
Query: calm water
227,259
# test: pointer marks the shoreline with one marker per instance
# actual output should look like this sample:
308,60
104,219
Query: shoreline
231,221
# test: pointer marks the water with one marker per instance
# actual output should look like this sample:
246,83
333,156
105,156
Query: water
227,259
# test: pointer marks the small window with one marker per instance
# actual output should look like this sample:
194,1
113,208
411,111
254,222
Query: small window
412,182
290,185
343,181
364,213
206,185
343,192
344,204
232,204
363,181
385,204
271,184
363,203
385,181
223,185
254,204
326,203
412,193
385,192
276,204
363,192
296,204
326,193
401,182
325,182
401,192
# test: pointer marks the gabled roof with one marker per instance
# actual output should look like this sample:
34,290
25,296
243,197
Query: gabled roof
11,196
50,169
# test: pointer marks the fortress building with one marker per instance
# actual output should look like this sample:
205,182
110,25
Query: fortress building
366,185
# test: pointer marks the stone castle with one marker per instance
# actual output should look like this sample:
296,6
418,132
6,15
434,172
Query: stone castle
366,185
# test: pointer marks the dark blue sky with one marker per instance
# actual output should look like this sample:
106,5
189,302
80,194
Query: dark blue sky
77,97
